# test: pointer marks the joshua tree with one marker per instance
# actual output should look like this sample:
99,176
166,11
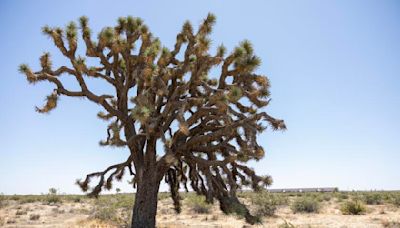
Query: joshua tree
208,126
52,191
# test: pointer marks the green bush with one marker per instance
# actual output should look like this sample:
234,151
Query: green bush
198,204
395,199
324,197
2,200
105,213
390,224
124,201
281,199
353,208
341,195
286,224
163,195
386,196
372,198
21,212
356,196
266,203
52,199
114,208
305,205
77,200
120,201
15,197
34,217
29,199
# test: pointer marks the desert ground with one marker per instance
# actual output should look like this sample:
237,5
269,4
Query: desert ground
339,209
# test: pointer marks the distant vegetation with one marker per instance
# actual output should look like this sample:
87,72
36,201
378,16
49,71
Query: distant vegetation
396,199
116,209
2,200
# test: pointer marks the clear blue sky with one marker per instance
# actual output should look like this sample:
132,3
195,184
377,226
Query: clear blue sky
334,67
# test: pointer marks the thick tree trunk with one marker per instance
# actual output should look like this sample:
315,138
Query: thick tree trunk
145,208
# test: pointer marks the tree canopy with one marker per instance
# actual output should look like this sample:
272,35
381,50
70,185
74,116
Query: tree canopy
207,122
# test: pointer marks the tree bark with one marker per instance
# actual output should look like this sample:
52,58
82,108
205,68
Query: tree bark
145,207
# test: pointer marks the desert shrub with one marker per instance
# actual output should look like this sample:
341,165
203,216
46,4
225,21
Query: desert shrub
2,221
372,198
390,224
163,195
21,212
108,214
341,196
124,201
83,211
214,218
198,204
266,203
324,197
57,211
277,198
286,224
105,213
52,199
353,208
11,221
34,217
3,201
15,197
281,199
358,196
266,209
305,205
395,199
29,199
120,201
77,200
386,196
312,195
114,209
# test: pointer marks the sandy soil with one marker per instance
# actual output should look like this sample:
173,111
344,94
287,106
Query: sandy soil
330,216
77,215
